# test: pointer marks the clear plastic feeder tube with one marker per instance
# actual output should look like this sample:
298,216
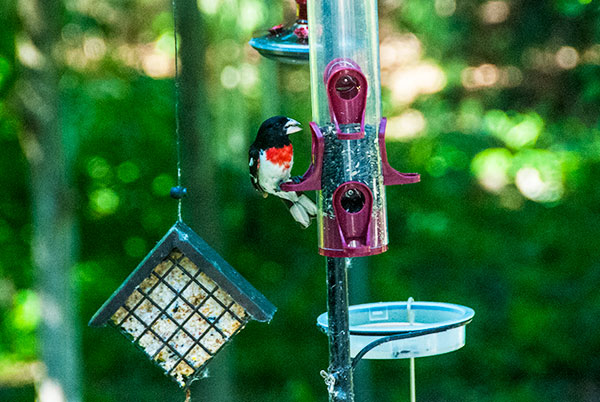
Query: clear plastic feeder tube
344,29
346,104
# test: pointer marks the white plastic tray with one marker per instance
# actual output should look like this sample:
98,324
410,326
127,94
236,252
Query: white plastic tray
369,322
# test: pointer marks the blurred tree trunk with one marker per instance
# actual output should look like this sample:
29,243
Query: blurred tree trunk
54,238
198,163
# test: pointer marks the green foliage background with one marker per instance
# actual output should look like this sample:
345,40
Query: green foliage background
505,219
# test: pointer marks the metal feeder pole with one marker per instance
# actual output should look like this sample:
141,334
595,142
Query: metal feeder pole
349,164
340,362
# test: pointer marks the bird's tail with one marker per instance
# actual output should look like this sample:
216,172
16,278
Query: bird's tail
302,208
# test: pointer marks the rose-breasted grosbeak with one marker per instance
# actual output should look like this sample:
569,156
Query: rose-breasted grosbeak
271,158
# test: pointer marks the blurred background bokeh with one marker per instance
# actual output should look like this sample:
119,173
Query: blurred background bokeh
496,103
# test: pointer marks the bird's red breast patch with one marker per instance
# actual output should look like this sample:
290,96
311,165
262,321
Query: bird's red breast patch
281,156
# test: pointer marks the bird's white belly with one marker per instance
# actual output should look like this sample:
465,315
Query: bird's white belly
271,175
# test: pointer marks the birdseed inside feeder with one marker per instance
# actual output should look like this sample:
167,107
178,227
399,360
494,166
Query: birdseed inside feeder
182,305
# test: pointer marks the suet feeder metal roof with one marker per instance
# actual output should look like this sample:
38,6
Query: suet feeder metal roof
182,304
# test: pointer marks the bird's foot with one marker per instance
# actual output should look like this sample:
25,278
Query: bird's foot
293,179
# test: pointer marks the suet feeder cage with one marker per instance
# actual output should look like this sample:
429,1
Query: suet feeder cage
182,305
286,44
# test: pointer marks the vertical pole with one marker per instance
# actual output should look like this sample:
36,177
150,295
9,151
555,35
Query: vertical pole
358,293
413,390
340,363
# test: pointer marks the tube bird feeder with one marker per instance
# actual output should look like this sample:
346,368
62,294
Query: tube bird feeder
349,166
349,170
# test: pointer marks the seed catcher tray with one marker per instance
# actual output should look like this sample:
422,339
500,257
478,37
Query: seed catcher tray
182,304
401,330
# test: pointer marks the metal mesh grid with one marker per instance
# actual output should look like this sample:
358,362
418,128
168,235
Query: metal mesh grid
180,317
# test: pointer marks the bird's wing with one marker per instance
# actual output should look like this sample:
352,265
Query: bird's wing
254,164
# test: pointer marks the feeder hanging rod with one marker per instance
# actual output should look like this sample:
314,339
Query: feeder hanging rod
340,362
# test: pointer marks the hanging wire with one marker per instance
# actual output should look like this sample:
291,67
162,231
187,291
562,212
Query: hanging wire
179,193
405,335
411,321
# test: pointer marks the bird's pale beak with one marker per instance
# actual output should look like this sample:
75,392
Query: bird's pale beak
292,126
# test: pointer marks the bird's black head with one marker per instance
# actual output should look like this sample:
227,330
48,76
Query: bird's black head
275,130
